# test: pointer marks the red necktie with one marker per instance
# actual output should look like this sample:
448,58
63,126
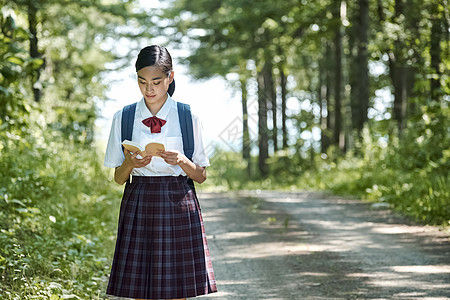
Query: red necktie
154,123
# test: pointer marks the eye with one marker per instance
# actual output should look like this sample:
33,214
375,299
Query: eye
157,83
141,82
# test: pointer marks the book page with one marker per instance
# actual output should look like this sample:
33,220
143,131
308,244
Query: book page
153,148
150,148
131,148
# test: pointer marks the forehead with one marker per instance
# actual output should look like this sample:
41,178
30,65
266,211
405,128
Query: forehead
151,72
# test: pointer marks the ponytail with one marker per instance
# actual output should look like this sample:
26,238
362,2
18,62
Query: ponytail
171,89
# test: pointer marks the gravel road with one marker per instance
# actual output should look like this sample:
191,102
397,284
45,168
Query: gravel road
283,245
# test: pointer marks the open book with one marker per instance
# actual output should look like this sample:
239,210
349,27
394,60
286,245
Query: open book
149,149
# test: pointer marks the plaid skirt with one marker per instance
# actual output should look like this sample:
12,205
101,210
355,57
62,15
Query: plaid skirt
161,250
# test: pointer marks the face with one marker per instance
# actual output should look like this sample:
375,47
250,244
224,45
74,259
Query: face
154,84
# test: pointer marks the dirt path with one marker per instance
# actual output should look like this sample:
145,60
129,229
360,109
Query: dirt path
275,245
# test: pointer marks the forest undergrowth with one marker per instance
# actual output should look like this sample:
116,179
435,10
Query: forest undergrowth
58,214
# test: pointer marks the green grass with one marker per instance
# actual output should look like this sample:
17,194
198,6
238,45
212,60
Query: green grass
58,217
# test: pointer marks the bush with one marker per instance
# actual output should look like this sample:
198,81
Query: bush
57,225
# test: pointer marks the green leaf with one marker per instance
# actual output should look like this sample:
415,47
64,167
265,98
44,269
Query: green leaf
71,296
37,62
18,202
15,60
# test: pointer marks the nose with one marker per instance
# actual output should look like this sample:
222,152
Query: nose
148,88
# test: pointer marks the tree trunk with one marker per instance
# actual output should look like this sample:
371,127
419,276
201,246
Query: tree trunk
322,90
246,145
338,139
402,76
262,126
399,74
446,21
34,50
380,10
435,53
354,81
327,129
362,63
272,100
283,83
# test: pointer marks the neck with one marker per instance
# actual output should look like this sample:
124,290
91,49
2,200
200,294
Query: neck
154,108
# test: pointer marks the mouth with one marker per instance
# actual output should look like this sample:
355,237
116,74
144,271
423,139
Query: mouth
150,96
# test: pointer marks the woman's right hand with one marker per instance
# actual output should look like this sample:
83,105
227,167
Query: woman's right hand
132,161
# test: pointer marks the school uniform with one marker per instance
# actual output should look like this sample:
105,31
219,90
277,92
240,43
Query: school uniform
161,250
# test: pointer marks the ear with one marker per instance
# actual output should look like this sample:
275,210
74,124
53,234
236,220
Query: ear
171,76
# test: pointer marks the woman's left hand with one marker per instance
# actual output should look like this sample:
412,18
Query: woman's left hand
172,157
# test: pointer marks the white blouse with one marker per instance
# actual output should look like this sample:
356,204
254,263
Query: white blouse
170,136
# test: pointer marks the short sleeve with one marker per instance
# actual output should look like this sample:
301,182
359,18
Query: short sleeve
114,156
200,156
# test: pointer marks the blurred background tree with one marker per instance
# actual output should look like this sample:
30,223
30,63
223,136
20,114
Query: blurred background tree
371,78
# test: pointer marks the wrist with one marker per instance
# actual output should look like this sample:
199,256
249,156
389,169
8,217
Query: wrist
127,166
183,161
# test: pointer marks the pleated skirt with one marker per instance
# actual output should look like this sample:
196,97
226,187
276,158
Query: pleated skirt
161,250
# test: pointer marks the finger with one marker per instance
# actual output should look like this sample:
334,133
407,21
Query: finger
126,152
168,154
143,163
148,157
145,159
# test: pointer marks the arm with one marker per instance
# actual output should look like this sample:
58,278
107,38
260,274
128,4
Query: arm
195,172
122,173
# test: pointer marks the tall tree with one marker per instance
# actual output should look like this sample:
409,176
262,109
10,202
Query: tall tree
32,8
323,100
326,93
283,83
246,143
263,136
401,73
271,100
337,133
360,88
438,27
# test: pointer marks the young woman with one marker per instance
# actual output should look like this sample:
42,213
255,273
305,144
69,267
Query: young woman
161,250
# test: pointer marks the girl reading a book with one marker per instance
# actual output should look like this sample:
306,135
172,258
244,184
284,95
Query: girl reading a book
161,249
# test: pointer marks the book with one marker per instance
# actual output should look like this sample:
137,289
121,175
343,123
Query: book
149,149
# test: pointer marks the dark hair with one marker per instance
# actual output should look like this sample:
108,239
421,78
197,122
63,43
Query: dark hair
156,56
